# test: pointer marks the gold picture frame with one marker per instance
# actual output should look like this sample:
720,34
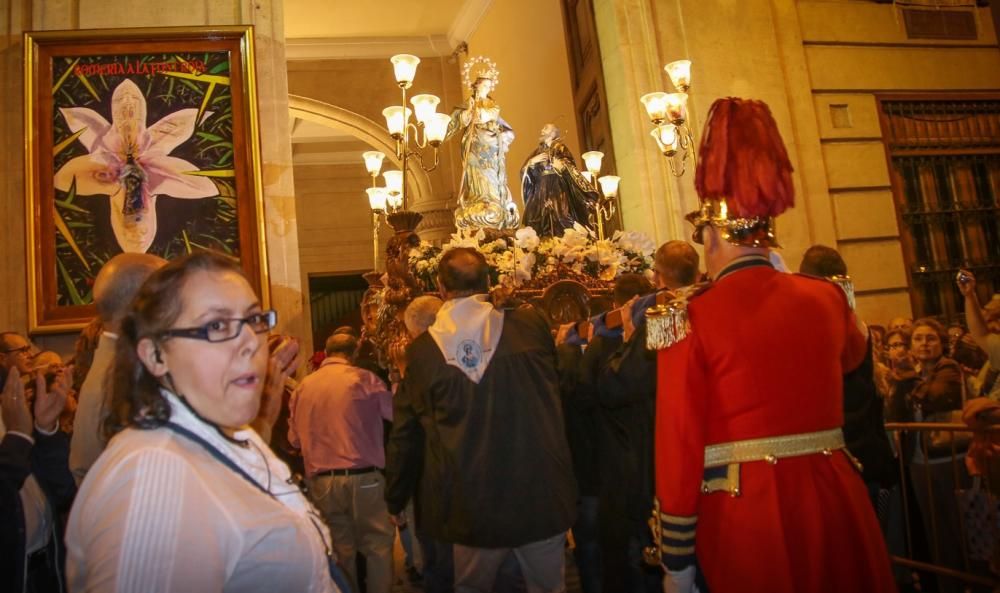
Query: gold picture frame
137,140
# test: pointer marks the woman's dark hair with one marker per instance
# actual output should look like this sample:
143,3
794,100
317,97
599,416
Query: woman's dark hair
902,333
935,325
822,261
135,393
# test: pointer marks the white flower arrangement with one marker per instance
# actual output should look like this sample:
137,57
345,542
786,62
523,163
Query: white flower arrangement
526,261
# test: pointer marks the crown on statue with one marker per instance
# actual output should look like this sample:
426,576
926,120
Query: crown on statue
480,67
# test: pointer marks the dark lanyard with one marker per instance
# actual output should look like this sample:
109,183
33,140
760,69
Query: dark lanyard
335,572
218,455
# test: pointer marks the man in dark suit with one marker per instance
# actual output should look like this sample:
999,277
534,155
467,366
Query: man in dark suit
478,437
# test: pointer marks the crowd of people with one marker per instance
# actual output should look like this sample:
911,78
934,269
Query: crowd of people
722,428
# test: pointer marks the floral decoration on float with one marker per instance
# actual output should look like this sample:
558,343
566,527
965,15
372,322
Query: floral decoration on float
523,262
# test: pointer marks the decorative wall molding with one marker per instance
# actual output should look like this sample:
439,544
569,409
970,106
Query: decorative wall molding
467,21
437,225
366,47
364,129
439,45
327,158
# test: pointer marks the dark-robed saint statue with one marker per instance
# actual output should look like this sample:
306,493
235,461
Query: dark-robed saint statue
555,194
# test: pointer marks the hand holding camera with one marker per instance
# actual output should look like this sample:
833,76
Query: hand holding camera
966,283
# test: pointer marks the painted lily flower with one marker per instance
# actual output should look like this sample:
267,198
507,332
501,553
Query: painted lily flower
130,163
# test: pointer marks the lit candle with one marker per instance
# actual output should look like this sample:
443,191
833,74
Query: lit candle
396,119
393,182
666,138
404,66
437,127
677,107
424,106
395,201
593,161
680,74
373,161
376,198
609,185
656,106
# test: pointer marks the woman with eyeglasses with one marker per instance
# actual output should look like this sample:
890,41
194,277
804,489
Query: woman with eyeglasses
187,497
897,360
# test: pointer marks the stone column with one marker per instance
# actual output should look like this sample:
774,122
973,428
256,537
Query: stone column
652,200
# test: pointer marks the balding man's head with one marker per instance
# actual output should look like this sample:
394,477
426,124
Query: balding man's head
118,282
15,351
676,264
463,271
343,345
421,313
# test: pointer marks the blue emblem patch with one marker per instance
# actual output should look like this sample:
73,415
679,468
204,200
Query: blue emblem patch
469,354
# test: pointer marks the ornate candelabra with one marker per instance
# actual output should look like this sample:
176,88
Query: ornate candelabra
384,201
605,186
429,129
411,139
668,113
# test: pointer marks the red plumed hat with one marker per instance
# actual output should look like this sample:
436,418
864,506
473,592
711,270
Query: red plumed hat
744,177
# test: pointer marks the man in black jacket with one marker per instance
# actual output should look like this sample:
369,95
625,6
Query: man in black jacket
580,362
626,391
478,436
36,485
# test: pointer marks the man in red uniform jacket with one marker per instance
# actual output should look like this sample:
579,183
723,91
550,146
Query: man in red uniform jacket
755,490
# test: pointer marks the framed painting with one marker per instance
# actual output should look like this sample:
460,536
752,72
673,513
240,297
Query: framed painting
138,140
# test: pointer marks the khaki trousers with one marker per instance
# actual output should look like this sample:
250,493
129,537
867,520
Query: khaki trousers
354,508
543,564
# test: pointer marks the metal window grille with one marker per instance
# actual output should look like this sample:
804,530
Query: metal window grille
945,167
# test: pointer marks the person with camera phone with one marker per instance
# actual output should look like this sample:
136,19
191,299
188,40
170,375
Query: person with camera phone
984,330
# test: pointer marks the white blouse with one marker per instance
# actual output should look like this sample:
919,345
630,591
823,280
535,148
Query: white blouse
158,513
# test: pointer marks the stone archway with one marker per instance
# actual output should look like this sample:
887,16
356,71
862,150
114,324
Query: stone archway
364,129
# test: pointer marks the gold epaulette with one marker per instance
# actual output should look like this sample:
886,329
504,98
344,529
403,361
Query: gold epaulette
668,324
847,285
844,282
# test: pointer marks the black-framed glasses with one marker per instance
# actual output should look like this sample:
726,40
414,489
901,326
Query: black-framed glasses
221,330
897,345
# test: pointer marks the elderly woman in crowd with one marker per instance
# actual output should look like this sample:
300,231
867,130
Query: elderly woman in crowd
186,497
934,392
